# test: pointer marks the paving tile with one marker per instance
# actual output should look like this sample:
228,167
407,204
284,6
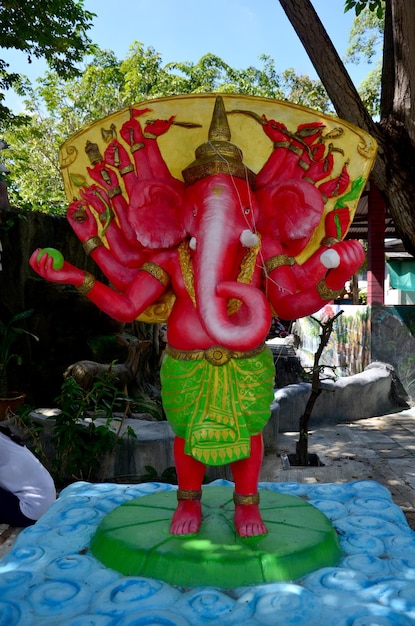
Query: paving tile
393,453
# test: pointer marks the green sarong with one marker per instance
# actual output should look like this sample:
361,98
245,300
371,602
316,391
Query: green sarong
217,408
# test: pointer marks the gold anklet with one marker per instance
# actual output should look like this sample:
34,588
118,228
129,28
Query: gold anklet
244,500
188,494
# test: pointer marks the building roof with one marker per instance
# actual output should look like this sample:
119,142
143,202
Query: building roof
359,226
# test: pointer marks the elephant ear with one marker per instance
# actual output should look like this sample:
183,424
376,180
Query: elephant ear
290,213
155,214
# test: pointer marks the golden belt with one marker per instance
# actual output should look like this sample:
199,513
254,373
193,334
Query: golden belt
216,355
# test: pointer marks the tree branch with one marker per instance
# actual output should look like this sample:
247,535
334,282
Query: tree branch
326,329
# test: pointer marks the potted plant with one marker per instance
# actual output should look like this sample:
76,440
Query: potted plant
9,333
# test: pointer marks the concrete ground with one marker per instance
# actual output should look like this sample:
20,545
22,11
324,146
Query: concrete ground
378,448
8,535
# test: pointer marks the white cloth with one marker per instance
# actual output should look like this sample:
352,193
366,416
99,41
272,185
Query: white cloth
22,474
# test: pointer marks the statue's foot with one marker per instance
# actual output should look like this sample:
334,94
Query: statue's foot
247,519
188,515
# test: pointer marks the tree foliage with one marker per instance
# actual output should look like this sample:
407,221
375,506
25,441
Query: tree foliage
365,44
366,37
55,30
375,6
59,107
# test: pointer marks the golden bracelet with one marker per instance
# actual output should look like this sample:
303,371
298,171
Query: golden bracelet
127,169
244,500
87,284
157,272
278,261
114,191
296,149
136,146
281,144
148,135
325,292
91,244
304,166
329,241
105,176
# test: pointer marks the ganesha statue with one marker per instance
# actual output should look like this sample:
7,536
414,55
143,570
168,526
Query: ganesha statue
215,214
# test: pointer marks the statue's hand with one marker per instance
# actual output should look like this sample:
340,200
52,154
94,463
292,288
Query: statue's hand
335,186
159,127
82,221
116,155
131,132
97,198
103,175
337,222
44,262
351,258
275,130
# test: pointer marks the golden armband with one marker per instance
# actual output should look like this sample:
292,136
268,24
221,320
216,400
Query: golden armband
91,244
157,272
325,292
87,284
278,261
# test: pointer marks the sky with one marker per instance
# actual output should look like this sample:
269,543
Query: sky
238,31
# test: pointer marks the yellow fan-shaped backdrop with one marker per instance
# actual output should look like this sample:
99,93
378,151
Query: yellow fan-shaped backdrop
192,117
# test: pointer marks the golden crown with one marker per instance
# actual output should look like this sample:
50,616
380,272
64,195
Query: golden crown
218,155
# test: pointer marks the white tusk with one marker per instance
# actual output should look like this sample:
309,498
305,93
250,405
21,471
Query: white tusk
192,243
248,239
330,259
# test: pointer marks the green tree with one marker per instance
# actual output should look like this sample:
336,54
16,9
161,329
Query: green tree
360,5
52,29
366,39
394,170
58,108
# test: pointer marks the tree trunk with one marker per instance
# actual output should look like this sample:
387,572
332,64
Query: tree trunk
403,35
394,170
354,285
388,65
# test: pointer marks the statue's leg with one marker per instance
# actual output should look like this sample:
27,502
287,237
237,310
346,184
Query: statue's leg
190,472
247,518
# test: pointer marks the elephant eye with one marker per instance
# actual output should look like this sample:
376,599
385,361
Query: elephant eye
247,210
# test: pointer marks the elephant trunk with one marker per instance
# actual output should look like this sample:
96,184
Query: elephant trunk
218,248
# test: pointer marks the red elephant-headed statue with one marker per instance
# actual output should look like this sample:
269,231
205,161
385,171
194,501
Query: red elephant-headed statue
228,246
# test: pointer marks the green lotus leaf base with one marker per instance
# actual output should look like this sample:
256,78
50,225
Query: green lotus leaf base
134,539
